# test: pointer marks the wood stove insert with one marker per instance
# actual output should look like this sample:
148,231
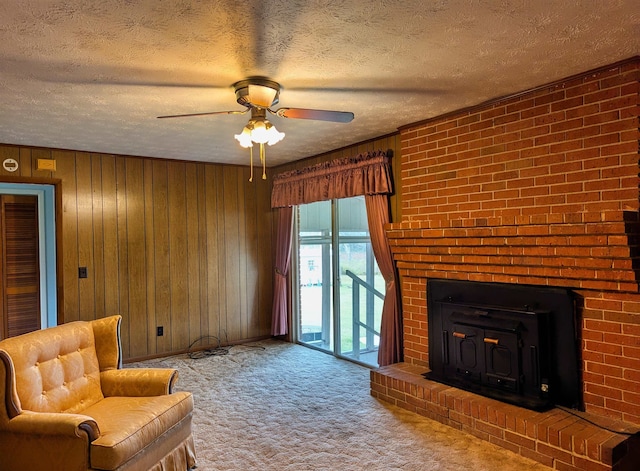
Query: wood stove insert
514,343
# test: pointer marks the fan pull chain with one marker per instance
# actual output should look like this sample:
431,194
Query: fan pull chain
251,160
264,162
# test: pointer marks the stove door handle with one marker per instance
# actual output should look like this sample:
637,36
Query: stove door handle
492,341
459,335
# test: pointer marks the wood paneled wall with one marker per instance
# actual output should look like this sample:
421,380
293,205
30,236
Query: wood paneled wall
183,245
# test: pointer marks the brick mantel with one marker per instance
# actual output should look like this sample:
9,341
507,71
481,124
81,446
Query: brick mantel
595,251
542,189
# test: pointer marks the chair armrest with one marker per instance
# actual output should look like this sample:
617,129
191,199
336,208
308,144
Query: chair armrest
51,441
51,423
131,382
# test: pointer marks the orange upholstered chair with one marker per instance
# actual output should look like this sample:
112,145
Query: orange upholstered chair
67,404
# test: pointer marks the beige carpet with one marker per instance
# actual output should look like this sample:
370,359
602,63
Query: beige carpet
280,406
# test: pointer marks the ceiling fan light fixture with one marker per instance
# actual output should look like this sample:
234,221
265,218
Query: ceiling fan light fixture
258,95
259,131
261,95
257,92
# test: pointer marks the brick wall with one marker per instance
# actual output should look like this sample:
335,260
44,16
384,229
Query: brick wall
540,188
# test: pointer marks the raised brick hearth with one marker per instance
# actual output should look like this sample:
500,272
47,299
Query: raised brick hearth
555,438
540,189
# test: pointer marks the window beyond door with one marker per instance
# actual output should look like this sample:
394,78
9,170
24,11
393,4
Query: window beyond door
339,284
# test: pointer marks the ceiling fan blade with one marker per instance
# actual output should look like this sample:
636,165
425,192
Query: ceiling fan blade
203,114
320,115
395,90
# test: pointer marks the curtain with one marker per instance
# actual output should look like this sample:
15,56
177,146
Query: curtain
366,174
284,235
390,348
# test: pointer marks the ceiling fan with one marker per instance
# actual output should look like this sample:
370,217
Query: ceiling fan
259,94
262,93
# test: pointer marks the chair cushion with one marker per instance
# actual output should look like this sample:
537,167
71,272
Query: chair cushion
129,424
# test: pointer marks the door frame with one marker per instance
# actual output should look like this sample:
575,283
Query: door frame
49,192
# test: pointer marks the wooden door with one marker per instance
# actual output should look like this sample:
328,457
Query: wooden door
20,267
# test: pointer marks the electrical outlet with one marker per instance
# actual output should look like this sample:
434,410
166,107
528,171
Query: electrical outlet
160,331
82,272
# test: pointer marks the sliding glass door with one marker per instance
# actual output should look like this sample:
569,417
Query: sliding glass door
339,286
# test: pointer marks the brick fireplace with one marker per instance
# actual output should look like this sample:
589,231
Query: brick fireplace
541,189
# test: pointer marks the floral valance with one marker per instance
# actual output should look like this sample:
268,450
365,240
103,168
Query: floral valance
364,174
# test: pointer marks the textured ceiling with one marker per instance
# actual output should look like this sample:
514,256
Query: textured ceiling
93,75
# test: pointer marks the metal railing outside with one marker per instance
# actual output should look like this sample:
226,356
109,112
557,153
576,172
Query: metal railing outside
368,325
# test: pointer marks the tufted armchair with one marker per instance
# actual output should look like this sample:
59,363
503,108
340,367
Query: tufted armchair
66,404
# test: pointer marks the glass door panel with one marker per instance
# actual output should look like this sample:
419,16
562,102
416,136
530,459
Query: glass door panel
315,286
360,284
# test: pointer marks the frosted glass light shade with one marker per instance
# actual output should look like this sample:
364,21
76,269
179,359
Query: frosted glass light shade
260,132
244,138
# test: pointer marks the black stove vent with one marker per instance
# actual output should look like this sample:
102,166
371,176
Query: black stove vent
514,343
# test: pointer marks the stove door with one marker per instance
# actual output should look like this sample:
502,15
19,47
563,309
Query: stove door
469,352
502,357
